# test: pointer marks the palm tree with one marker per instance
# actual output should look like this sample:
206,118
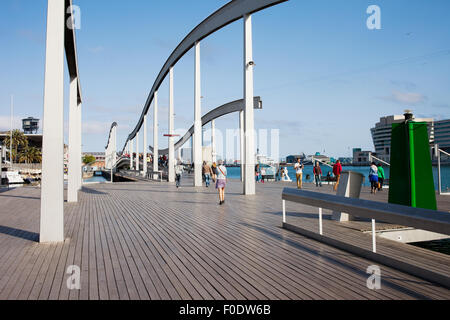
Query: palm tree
30,155
19,142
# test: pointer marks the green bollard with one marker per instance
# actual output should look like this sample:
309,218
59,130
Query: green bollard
411,174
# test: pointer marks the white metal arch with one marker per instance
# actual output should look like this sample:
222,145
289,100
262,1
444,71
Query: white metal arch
229,13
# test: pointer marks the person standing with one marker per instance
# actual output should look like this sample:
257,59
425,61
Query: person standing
263,174
381,177
337,170
317,174
257,171
214,172
178,172
373,178
207,172
221,181
299,173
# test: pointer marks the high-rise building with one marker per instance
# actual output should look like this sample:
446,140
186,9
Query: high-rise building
442,134
381,134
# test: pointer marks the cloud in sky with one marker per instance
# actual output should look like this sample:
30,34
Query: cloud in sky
410,98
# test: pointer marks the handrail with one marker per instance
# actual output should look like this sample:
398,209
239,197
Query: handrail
114,124
379,160
229,13
425,219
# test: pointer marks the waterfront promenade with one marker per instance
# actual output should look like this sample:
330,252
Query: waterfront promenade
147,240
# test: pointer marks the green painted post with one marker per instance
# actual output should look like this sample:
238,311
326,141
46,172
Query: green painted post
412,164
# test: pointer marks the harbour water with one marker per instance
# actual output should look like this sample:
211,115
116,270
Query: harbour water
95,179
235,173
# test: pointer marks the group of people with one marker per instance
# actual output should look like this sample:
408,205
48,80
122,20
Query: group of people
216,173
376,177
260,173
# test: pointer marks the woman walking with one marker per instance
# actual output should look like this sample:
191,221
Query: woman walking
178,172
373,178
221,181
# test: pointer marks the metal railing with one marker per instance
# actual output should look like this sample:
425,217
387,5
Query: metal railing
424,219
437,153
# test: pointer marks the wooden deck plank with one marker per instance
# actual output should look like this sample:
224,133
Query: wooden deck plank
147,240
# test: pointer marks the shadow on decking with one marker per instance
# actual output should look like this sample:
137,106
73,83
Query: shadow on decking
321,254
92,191
19,197
22,234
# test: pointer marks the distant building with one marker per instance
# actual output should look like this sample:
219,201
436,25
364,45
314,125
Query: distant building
361,158
442,134
29,125
294,158
99,158
346,160
381,134
186,155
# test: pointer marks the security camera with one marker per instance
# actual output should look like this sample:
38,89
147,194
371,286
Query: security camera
251,63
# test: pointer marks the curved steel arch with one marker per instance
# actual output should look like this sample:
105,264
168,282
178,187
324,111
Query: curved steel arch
232,11
110,131
234,106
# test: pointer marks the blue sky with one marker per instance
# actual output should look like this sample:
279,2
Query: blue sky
324,78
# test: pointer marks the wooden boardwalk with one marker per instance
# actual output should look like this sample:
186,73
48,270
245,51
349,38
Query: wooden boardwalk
145,240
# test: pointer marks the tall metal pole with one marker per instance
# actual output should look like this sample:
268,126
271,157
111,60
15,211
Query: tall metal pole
242,143
131,154
197,121
249,158
137,152
144,169
213,141
11,132
155,137
439,170
79,150
171,162
52,184
72,184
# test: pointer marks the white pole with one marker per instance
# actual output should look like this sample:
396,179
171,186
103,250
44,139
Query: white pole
213,141
171,162
137,152
374,239
72,185
284,211
155,137
439,170
320,222
114,145
52,184
249,158
197,121
145,148
79,150
131,154
242,143
11,132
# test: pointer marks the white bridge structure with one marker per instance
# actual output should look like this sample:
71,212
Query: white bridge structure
61,37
